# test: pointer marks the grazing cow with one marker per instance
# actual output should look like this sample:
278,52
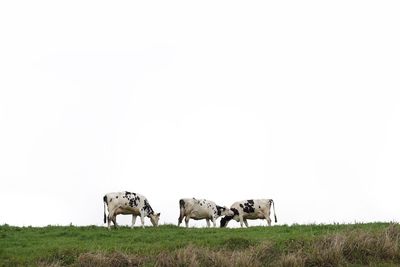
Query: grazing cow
128,203
250,209
199,209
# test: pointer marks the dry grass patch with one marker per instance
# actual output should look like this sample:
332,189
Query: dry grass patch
291,260
356,247
363,247
115,259
49,264
197,256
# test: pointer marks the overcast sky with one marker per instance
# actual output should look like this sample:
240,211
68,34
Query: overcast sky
225,100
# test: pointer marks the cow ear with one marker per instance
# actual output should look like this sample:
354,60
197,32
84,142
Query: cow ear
158,214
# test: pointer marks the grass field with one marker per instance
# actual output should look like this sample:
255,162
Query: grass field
167,245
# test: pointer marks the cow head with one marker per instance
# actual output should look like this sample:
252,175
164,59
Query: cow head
229,216
154,218
226,211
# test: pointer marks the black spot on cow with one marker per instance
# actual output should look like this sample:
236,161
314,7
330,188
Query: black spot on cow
219,210
136,201
241,205
249,206
116,197
110,200
248,209
235,211
147,208
133,202
129,194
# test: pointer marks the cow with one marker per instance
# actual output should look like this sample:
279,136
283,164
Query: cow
128,203
198,209
250,209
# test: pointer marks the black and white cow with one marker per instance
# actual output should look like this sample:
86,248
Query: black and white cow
198,209
128,203
250,209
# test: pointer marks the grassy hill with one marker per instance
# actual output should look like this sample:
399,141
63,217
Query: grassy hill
167,245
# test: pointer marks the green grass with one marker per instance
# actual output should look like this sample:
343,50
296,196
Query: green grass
69,245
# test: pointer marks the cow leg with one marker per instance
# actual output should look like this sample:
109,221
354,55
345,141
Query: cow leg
133,220
245,222
180,219
268,221
108,222
241,220
181,215
112,217
114,220
214,220
208,223
187,221
109,216
142,217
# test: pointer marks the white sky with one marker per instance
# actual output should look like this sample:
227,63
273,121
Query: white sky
226,100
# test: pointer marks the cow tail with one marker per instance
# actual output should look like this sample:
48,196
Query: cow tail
273,206
105,202
182,210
